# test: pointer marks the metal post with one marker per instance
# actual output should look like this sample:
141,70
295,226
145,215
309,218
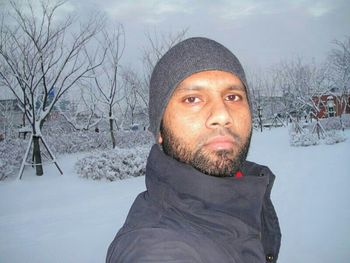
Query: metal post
25,158
260,118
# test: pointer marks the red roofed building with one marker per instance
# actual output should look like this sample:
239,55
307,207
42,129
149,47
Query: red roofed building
331,104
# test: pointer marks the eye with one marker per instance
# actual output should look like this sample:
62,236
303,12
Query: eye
232,97
192,100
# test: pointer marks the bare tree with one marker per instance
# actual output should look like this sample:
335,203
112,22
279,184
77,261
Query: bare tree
84,111
339,59
255,84
299,82
292,80
265,95
6,118
106,79
157,45
135,98
44,58
134,102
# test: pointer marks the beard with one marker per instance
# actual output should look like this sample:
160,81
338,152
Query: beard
220,163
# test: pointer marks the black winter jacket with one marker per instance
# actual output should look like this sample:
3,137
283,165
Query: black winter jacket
186,216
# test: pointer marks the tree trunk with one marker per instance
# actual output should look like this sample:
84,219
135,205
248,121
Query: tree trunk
23,125
111,129
37,156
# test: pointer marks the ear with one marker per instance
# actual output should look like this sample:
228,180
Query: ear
160,138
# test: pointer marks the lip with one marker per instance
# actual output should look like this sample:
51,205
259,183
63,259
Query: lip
220,142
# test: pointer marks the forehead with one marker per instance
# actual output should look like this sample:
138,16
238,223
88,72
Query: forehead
213,79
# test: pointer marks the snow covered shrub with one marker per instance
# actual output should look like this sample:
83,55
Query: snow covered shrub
346,120
5,169
11,155
128,139
334,123
77,141
333,137
303,139
62,139
309,137
12,149
116,164
82,141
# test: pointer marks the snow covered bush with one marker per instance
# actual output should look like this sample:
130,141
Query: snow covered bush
11,155
62,141
82,141
334,123
78,141
116,164
329,130
303,139
333,137
308,138
129,139
5,169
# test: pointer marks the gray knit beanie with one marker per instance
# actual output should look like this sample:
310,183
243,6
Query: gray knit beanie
190,56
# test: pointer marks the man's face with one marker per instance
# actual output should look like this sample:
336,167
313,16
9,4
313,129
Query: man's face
207,123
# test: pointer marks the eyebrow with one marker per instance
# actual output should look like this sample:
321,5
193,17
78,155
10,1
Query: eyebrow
181,88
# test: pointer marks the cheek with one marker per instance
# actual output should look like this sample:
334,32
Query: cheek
242,122
187,127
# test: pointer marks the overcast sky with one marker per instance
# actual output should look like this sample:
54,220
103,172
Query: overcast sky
260,33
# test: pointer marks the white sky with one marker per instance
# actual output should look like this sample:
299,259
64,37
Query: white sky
260,33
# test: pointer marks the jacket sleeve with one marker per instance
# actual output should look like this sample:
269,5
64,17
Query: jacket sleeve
271,233
150,245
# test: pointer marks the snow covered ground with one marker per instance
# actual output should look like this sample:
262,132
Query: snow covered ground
67,219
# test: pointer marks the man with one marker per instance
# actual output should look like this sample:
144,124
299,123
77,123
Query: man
204,202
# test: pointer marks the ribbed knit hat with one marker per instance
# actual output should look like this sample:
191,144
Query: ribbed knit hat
190,56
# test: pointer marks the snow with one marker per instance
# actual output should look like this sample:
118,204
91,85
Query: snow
311,195
57,218
67,218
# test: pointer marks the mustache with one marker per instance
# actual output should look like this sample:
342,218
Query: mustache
222,132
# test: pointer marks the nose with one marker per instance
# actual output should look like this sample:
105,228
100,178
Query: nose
219,116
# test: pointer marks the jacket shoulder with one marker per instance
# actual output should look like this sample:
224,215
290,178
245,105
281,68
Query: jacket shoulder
151,245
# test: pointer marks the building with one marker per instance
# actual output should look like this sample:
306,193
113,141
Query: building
331,103
8,101
9,105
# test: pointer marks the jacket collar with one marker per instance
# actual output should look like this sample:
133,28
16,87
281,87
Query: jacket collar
172,183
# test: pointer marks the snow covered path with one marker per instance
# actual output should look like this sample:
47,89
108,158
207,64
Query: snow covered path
68,219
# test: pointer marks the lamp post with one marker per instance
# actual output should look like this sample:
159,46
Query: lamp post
260,119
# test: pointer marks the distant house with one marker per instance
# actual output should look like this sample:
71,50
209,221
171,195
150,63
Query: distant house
331,103
9,109
9,105
8,101
271,105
